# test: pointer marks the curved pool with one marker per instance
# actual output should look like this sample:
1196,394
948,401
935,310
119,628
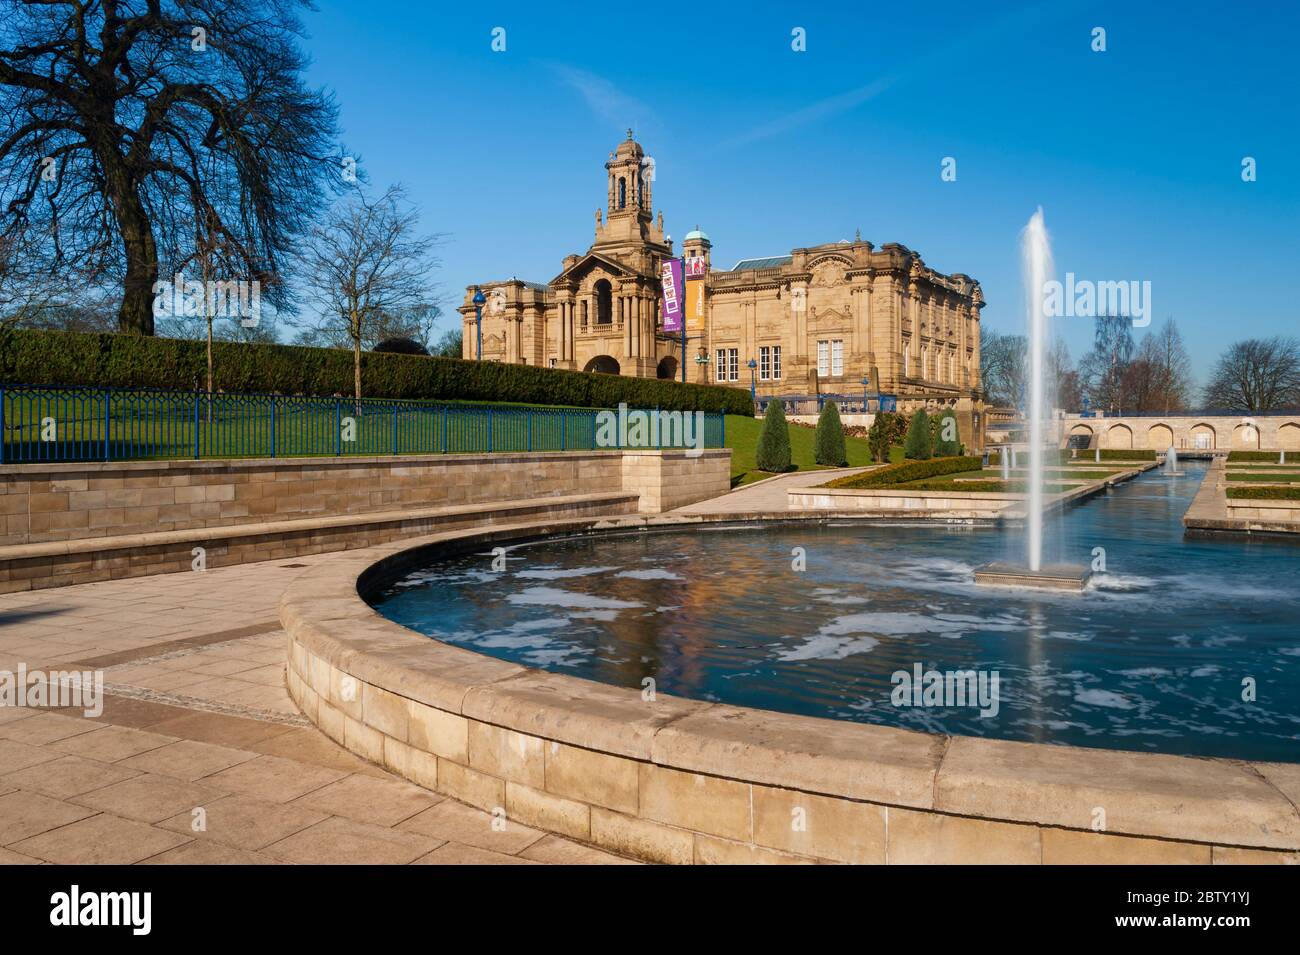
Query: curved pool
1186,646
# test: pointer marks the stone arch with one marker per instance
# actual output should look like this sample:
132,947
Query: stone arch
667,368
1288,436
604,302
1246,436
1120,436
602,364
1204,437
1160,437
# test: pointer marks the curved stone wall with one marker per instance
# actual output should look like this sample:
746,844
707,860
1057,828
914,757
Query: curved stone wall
685,781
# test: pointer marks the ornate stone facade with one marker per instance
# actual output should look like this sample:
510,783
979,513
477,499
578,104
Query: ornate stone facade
815,321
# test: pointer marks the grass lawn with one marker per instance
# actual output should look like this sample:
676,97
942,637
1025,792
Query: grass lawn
742,438
1283,477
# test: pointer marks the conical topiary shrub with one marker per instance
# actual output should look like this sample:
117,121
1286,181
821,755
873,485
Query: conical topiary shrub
774,440
916,447
880,438
948,442
828,442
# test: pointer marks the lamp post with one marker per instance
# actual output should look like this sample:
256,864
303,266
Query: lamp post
866,383
479,299
753,381
702,362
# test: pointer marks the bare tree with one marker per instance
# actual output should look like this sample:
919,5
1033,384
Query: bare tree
1257,375
120,118
1004,368
363,263
1102,370
1160,378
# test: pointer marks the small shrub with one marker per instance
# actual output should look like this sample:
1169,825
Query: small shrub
828,443
774,440
881,436
1125,454
917,445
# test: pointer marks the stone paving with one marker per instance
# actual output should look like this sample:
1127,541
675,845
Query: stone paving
763,497
199,756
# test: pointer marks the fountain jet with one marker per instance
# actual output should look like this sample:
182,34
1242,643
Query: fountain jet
1036,263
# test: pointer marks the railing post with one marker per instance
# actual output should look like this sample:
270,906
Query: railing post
444,429
530,429
394,430
722,417
659,434
489,430
273,426
2,426
338,427
196,425
564,416
106,422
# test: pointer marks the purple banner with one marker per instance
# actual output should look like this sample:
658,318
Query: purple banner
671,276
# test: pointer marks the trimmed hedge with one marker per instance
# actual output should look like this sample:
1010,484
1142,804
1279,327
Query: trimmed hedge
1272,493
131,361
1121,454
1265,477
1051,457
895,474
1271,457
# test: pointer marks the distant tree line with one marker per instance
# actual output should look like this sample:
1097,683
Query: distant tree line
1120,374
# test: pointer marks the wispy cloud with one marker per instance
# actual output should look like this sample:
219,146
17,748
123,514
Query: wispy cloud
940,56
602,97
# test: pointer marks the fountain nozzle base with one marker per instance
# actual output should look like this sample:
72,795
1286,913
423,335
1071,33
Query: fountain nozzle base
1070,578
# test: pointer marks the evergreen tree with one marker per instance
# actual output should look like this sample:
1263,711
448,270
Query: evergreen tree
774,440
880,438
917,446
828,443
950,446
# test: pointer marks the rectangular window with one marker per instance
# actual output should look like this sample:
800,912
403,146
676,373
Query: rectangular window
764,363
837,359
733,363
823,358
776,362
721,369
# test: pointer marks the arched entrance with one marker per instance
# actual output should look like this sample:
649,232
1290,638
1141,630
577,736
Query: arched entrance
1160,437
1204,437
1120,437
602,364
1246,435
604,303
667,368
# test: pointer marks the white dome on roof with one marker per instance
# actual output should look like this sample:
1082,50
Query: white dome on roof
695,234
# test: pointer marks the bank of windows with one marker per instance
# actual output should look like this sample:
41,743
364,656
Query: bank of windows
830,358
769,363
728,364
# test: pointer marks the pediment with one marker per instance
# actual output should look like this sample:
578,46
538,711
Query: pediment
592,262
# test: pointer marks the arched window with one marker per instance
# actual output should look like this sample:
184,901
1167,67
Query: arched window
604,302
622,192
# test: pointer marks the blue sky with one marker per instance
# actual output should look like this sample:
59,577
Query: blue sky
1134,154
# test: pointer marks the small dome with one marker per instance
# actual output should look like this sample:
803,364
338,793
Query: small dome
695,234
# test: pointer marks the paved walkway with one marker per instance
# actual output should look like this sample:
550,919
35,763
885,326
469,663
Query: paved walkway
199,755
764,497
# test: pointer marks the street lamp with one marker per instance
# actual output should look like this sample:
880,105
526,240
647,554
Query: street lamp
753,381
478,300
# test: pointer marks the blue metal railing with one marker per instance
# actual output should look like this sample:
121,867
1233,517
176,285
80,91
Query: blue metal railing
49,424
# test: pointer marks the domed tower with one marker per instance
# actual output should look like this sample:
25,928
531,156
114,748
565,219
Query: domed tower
697,245
630,232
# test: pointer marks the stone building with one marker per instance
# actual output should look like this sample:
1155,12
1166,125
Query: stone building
814,322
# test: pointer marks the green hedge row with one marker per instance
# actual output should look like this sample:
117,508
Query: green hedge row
1050,457
129,361
893,474
1273,493
1272,457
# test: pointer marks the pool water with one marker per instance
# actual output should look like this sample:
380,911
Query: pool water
1185,646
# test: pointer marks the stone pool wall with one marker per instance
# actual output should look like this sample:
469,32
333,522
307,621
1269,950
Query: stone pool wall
672,780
